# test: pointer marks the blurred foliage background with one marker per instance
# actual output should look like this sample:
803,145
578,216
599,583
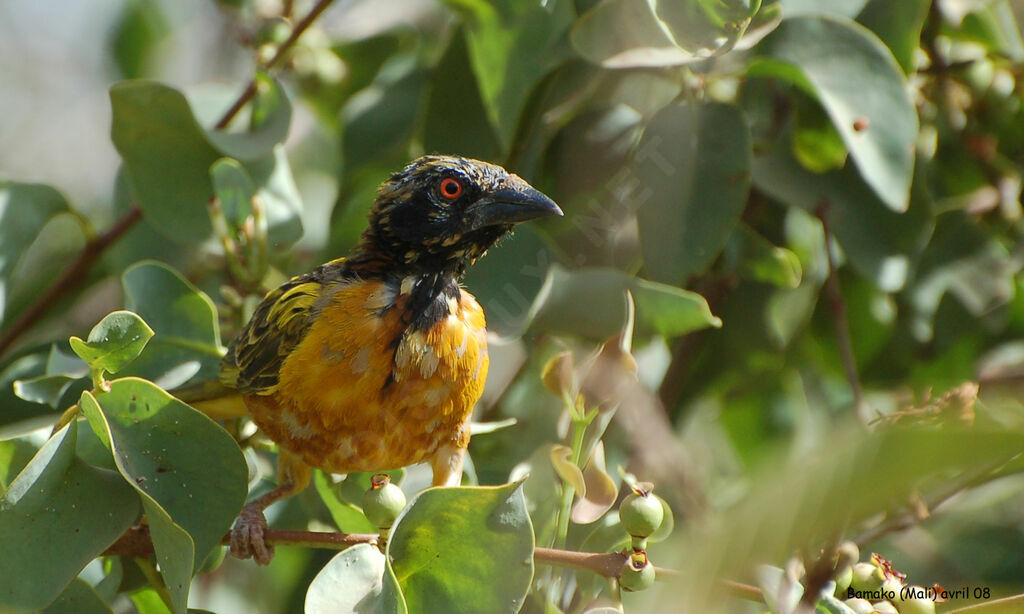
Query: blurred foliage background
815,205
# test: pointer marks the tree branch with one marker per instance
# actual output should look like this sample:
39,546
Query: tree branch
72,277
250,90
137,542
837,305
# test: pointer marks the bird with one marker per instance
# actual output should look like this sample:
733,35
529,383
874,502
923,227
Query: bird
375,361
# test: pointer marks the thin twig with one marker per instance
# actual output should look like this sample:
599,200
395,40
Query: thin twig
72,277
250,90
837,305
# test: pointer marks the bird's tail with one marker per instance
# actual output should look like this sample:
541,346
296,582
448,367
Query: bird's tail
213,399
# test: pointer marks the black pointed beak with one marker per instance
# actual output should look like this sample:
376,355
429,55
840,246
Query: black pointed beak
511,206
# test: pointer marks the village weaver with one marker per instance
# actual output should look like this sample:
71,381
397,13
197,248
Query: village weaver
375,361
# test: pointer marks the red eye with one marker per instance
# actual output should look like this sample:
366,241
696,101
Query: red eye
451,188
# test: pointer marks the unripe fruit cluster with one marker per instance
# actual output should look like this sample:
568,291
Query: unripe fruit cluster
879,578
641,514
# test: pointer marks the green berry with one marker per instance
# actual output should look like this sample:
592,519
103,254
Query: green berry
884,607
383,501
843,580
917,606
892,588
867,577
641,513
637,573
860,606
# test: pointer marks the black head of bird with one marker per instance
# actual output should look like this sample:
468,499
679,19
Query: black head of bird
440,213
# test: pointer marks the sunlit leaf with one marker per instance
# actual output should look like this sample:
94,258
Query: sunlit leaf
117,340
839,60
356,580
187,340
440,570
57,515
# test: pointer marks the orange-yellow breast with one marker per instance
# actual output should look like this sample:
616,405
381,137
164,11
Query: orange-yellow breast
363,391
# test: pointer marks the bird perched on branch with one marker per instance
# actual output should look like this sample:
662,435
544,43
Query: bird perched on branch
375,361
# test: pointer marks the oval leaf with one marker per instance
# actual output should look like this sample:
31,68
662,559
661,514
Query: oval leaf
183,461
114,342
56,516
567,470
356,580
693,164
187,338
839,61
588,302
466,549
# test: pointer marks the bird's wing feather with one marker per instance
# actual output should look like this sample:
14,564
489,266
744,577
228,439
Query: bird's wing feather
253,362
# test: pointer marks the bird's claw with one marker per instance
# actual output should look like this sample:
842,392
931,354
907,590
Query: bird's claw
248,536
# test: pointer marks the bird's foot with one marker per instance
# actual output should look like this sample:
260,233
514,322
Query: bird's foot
248,536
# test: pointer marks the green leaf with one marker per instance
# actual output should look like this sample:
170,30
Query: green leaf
167,155
512,45
14,455
183,462
898,25
589,303
113,343
963,261
234,190
24,210
880,243
691,155
379,120
844,8
454,86
187,341
706,27
38,236
765,262
78,598
135,37
270,117
356,580
20,416
45,389
57,515
464,549
347,517
626,34
839,60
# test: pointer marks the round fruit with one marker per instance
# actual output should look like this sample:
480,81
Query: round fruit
884,607
867,577
641,513
637,573
843,580
917,606
383,501
860,606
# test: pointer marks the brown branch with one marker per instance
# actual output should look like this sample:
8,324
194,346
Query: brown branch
837,305
72,277
250,89
137,542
